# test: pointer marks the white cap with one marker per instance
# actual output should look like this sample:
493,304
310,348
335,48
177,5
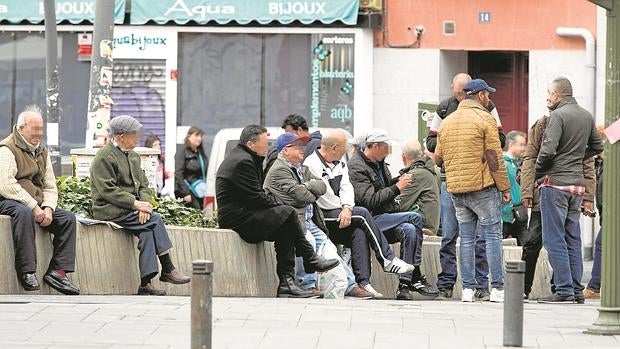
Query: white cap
377,135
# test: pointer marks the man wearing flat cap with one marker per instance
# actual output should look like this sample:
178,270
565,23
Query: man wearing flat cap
29,195
469,148
121,194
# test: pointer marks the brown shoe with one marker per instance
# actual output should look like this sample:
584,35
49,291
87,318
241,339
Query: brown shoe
591,294
359,293
149,290
174,277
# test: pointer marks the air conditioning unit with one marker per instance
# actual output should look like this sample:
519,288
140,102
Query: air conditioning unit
371,5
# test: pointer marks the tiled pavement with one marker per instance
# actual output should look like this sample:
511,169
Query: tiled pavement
128,322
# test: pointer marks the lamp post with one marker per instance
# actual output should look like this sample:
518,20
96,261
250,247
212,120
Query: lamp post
608,321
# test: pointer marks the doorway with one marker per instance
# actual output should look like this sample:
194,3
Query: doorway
508,72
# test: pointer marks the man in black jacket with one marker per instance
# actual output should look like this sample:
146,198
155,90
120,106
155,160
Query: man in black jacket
449,224
256,216
375,189
570,137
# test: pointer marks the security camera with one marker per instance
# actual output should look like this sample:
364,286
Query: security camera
419,29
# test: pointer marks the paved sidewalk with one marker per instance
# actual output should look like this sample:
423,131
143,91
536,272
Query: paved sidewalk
112,322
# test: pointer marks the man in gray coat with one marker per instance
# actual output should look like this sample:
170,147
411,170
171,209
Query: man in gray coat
570,137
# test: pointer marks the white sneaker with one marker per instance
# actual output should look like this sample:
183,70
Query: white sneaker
497,296
398,266
375,293
468,295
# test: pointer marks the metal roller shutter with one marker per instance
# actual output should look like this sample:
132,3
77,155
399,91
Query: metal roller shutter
139,90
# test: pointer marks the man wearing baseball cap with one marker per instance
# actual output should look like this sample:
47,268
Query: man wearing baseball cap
121,194
294,185
376,190
469,147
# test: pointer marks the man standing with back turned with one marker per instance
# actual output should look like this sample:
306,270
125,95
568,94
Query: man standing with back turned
570,138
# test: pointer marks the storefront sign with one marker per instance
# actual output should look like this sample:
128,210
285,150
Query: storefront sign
244,11
332,81
132,42
74,11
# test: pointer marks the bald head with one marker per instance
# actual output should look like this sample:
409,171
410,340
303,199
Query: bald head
331,137
333,144
412,151
458,82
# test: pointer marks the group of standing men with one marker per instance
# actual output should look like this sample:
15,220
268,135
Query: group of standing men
556,174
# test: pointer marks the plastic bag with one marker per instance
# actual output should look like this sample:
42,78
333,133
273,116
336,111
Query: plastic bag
334,282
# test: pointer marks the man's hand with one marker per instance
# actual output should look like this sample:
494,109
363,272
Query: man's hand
38,214
404,181
506,197
47,220
588,209
143,217
187,198
527,202
143,206
345,217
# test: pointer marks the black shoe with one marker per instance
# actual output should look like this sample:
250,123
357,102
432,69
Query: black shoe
445,293
29,281
319,264
60,283
404,293
579,297
557,299
422,287
149,290
288,288
482,294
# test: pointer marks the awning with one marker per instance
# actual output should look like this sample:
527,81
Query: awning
74,11
244,11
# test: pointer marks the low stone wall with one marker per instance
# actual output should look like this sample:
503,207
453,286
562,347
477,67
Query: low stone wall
107,263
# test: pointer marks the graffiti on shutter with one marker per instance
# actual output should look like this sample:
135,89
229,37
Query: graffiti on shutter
139,90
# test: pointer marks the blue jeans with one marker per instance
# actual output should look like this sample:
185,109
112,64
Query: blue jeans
406,228
317,239
561,234
447,251
480,210
595,281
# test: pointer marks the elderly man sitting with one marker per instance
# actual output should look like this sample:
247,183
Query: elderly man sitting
29,195
294,184
121,195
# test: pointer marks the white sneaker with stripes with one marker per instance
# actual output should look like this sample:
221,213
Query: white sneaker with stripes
398,266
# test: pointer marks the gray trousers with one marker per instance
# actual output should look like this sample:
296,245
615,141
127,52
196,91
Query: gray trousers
23,226
153,239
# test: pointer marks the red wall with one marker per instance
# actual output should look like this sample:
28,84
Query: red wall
518,25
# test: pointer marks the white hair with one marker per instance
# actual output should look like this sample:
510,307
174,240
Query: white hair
28,110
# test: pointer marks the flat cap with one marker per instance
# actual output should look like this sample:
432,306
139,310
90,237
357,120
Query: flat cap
123,124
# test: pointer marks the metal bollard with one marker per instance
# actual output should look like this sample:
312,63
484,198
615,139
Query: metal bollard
513,304
202,291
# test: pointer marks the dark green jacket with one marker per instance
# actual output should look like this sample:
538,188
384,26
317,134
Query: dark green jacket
422,195
117,180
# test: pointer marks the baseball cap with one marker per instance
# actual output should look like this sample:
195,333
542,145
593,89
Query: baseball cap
476,85
377,135
288,138
123,124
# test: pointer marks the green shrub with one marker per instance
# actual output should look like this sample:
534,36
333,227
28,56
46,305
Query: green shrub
74,195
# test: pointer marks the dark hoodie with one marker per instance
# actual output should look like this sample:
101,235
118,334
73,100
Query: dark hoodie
422,195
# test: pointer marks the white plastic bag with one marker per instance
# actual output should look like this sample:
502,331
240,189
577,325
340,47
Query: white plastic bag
333,282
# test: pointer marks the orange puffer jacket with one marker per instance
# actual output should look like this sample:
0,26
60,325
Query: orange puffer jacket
469,147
